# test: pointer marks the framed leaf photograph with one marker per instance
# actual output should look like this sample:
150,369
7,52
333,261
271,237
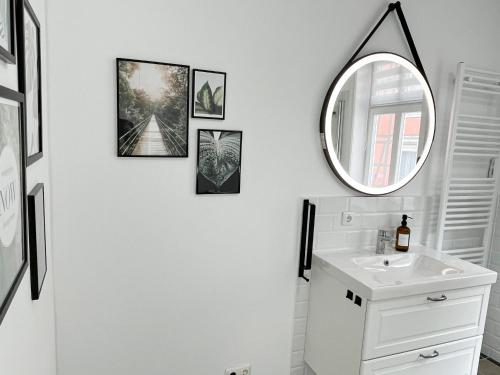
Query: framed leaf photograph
7,31
29,73
219,162
153,114
209,94
13,246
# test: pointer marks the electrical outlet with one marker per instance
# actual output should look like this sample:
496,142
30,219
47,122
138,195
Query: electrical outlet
348,218
241,370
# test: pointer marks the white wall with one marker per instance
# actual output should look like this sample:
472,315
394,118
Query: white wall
27,334
154,279
491,341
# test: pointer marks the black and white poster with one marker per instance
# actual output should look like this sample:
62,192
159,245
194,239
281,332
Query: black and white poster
30,78
209,94
12,246
219,162
32,89
7,31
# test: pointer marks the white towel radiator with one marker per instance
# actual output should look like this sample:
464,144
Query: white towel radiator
469,195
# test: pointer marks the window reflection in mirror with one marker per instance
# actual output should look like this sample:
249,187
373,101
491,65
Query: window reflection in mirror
376,124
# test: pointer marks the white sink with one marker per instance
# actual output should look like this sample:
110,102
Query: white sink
400,268
395,274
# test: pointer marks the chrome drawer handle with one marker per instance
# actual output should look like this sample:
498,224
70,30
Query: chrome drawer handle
439,299
433,355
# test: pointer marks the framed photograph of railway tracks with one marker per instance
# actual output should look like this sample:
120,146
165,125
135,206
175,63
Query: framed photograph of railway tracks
36,239
29,75
219,162
153,108
13,241
209,94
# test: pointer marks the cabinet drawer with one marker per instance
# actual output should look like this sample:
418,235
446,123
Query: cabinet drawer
455,358
403,324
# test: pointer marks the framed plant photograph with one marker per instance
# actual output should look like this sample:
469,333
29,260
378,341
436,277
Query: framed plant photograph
13,259
30,80
36,236
209,94
7,31
219,162
153,108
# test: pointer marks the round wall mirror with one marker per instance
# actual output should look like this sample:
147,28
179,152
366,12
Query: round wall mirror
377,123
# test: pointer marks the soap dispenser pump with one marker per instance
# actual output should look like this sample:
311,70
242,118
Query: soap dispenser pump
403,235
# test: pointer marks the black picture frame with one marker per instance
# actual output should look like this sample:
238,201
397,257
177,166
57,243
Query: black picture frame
194,96
37,239
205,186
9,55
118,135
15,96
22,73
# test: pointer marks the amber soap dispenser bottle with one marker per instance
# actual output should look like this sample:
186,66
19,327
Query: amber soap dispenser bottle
403,235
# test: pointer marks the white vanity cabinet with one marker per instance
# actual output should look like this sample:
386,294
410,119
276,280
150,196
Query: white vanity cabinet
432,333
413,322
455,358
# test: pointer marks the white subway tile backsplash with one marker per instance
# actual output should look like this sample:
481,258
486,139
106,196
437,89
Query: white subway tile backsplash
495,287
394,220
331,240
494,314
415,203
297,359
382,221
302,282
297,370
301,309
302,293
492,327
300,326
410,203
362,238
389,204
491,340
328,205
298,342
495,299
495,256
370,221
417,218
324,223
497,228
363,204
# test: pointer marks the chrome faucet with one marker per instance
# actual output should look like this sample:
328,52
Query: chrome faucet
383,236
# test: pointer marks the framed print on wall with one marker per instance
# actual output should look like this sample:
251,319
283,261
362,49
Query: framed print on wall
209,94
7,31
36,239
13,259
30,81
219,162
153,108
